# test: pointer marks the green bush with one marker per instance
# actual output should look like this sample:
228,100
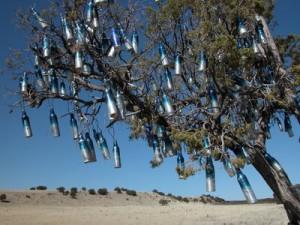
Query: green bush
41,188
66,193
92,191
32,188
83,188
118,190
3,197
163,202
186,200
73,195
74,190
102,191
61,189
131,192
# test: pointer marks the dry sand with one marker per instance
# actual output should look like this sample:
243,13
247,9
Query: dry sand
52,208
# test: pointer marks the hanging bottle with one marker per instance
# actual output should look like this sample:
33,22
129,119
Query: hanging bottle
245,186
120,104
112,52
26,125
279,124
46,47
54,123
85,151
177,64
158,159
112,109
160,131
66,29
168,80
180,160
261,34
241,28
167,105
74,126
23,83
62,89
288,125
245,155
80,37
90,146
135,42
115,38
86,69
95,21
40,20
255,47
100,2
206,142
102,144
124,38
163,55
168,146
89,12
213,98
78,59
273,162
54,83
210,175
39,78
117,157
202,62
228,166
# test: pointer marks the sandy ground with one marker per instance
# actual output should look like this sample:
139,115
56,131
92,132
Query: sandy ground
52,208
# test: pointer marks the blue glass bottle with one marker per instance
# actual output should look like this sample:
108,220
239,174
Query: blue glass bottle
163,55
90,147
158,159
74,126
228,166
168,80
115,38
202,62
89,12
46,47
167,105
213,98
177,64
135,42
102,144
210,175
80,36
242,28
261,34
117,156
245,186
23,83
62,89
121,104
54,123
84,148
40,20
54,83
39,78
26,125
66,29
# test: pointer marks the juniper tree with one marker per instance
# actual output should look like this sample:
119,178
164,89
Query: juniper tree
205,77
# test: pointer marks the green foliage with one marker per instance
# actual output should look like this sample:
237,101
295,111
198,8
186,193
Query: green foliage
102,191
3,197
92,191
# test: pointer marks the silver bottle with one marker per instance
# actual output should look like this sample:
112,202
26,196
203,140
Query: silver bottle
177,64
163,55
23,83
66,29
202,62
115,38
112,52
228,166
78,60
168,80
117,156
167,105
89,12
26,125
74,126
245,186
54,124
41,21
120,104
46,47
91,147
135,42
112,109
62,89
210,175
85,151
101,144
39,78
54,84
242,28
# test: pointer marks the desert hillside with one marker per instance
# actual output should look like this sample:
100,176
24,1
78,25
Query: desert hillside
112,208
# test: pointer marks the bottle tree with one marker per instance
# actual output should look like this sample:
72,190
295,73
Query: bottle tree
204,77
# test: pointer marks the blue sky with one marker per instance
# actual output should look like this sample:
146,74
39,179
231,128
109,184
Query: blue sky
44,160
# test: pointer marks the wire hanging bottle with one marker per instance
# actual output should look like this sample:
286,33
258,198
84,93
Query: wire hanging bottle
54,123
245,186
210,175
74,126
26,125
117,156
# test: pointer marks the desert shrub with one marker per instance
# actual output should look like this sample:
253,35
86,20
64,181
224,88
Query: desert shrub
170,195
186,200
178,198
74,190
66,193
73,194
83,188
124,189
61,189
118,190
2,197
27,196
195,200
163,202
41,188
131,192
92,191
102,191
155,191
32,188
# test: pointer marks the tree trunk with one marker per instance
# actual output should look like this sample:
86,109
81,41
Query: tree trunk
280,185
